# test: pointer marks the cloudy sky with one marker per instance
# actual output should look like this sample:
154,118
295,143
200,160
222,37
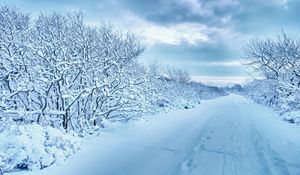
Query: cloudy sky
203,36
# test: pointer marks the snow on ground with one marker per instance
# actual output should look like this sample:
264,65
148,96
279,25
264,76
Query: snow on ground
31,146
229,135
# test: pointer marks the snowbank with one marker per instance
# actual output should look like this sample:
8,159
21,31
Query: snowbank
292,117
31,146
277,96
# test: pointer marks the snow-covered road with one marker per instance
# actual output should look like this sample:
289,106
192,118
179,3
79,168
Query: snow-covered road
229,135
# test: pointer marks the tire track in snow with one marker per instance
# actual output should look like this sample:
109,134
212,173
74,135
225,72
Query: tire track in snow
268,158
192,161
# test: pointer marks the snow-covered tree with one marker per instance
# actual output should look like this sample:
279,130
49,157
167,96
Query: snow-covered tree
58,71
278,62
15,82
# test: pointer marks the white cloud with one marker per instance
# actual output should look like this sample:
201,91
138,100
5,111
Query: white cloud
151,33
174,35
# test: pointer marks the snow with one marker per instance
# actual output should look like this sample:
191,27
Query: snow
31,146
228,135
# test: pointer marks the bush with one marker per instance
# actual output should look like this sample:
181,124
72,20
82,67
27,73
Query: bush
31,146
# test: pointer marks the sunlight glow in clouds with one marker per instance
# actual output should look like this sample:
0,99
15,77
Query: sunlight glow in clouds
151,33
221,80
222,63
175,35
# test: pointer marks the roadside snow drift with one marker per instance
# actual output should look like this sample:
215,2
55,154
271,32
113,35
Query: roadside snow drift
32,146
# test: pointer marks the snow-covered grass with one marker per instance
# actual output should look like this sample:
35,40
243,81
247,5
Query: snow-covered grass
31,146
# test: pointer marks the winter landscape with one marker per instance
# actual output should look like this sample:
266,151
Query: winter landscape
162,87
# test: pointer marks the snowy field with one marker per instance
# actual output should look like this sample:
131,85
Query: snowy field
229,135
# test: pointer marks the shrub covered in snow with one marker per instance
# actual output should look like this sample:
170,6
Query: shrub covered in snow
31,146
176,93
275,95
278,62
56,70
